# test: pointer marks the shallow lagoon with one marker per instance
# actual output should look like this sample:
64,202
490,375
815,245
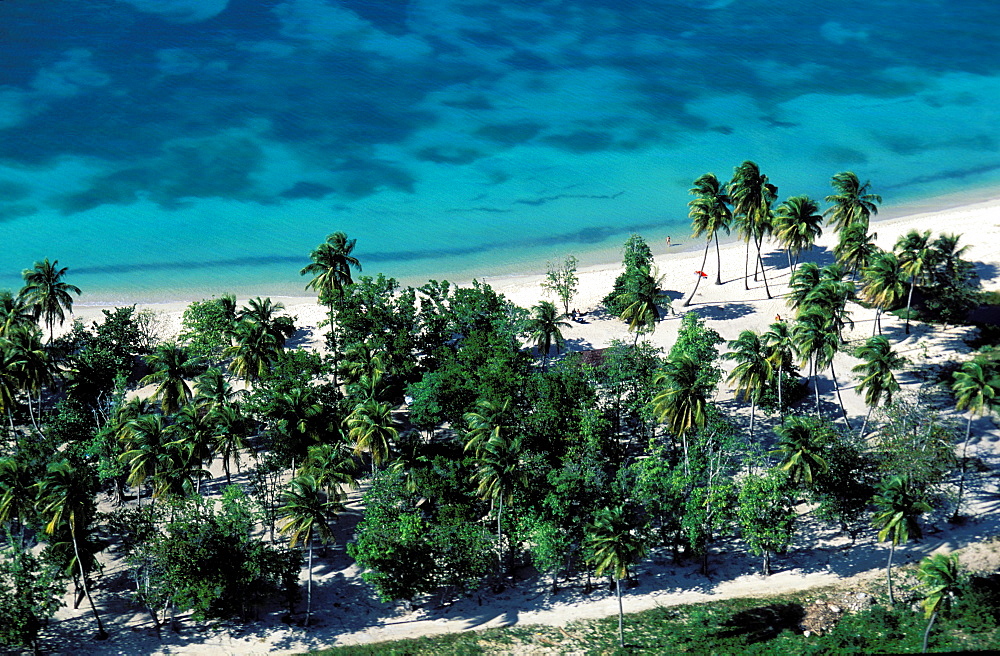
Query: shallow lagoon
165,150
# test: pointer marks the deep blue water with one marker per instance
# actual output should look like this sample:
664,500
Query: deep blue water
170,148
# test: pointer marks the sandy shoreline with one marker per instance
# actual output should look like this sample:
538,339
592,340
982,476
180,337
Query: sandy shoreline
978,223
347,613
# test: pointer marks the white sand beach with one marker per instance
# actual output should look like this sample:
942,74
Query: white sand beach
347,612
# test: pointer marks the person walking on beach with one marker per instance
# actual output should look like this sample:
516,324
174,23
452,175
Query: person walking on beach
668,242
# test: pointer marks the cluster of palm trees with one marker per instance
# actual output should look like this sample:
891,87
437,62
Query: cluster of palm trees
747,204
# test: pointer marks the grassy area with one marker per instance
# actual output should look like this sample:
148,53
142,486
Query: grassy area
737,626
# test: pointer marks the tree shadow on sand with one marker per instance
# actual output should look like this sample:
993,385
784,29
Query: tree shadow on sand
722,311
763,623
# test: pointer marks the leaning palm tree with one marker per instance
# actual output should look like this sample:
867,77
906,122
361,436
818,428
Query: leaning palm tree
47,293
615,543
941,578
370,427
875,377
752,196
882,284
797,225
853,202
753,371
544,328
65,497
829,297
898,507
307,512
172,367
801,444
709,214
977,390
915,258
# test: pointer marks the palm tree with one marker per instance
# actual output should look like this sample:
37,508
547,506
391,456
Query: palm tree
230,435
370,427
875,377
709,214
16,494
172,367
898,507
499,471
331,273
779,349
915,258
64,497
801,445
752,196
14,312
882,284
332,465
32,367
753,371
331,268
264,313
47,293
829,297
855,248
194,434
947,256
977,390
213,390
642,302
941,577
146,440
301,418
801,284
797,225
681,401
489,421
816,343
544,328
615,544
307,512
10,383
254,350
853,202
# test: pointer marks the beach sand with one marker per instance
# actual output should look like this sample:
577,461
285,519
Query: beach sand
347,612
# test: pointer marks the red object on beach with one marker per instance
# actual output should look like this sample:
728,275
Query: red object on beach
702,274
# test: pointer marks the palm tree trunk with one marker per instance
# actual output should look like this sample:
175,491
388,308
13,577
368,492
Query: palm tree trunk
753,412
788,252
718,257
888,570
101,633
961,479
836,386
746,267
812,372
767,563
864,424
909,300
763,274
309,585
704,259
621,613
878,321
500,535
781,405
927,632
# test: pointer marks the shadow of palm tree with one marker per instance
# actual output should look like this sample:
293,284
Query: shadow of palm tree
762,623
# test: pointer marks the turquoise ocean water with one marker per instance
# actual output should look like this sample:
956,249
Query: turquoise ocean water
168,149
